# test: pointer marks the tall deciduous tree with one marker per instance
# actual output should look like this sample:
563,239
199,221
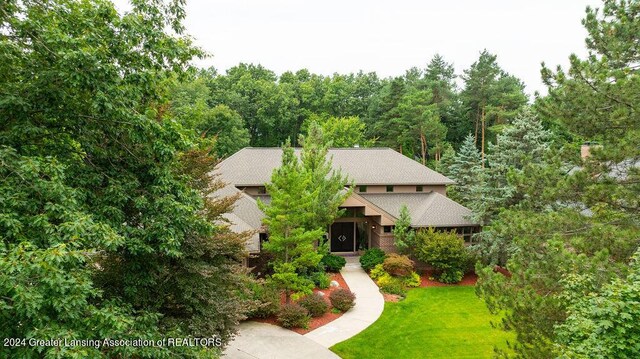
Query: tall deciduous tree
101,234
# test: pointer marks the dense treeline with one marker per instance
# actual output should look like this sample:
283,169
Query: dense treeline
107,229
420,114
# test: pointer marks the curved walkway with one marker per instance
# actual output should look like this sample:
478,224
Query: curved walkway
266,341
369,306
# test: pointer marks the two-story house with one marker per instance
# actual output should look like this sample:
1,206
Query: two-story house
383,181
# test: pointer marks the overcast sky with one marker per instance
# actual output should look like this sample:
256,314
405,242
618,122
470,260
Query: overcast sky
387,36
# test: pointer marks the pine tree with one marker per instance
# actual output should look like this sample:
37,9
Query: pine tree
403,233
327,187
466,169
585,223
291,209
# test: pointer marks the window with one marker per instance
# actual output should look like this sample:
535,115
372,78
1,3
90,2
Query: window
389,188
386,229
262,190
419,189
263,238
362,189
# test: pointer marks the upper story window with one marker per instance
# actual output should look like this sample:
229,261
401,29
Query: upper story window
387,229
262,190
419,189
389,188
362,189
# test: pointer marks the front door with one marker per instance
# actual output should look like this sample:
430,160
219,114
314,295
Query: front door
342,239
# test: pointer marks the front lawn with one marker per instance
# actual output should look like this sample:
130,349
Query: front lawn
434,322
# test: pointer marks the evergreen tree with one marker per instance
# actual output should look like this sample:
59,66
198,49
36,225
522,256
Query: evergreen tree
465,168
583,223
325,185
288,217
490,97
403,233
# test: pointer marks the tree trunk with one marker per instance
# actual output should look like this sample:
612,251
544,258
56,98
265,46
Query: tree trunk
482,151
423,148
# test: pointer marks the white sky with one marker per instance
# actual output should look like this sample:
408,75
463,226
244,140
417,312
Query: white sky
387,36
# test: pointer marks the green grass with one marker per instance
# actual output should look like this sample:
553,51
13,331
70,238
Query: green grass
436,322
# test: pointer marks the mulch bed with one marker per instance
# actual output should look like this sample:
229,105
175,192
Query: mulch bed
319,321
468,279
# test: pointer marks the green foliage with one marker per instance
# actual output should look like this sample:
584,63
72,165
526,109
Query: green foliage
345,132
320,279
292,315
333,263
326,186
377,271
392,285
267,298
398,265
342,299
371,258
445,251
465,167
573,232
315,304
305,198
603,324
412,280
107,226
221,125
403,233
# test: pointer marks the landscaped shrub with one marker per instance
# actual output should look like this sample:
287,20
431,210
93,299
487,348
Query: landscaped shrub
377,272
342,299
320,279
398,265
267,298
445,251
412,280
315,304
371,258
293,316
392,285
333,263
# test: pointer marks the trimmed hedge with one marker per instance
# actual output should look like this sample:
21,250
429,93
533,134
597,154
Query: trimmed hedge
267,298
333,263
293,316
315,304
342,299
398,265
371,258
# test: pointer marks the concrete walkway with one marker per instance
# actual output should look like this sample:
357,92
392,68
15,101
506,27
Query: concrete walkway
369,306
266,341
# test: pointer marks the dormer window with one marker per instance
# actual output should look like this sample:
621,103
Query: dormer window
362,189
262,190
389,188
419,189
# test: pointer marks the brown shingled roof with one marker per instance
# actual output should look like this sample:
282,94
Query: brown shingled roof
365,166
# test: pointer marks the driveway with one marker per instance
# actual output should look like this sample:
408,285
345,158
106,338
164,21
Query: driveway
266,341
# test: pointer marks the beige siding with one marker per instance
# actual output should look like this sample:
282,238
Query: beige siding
404,189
